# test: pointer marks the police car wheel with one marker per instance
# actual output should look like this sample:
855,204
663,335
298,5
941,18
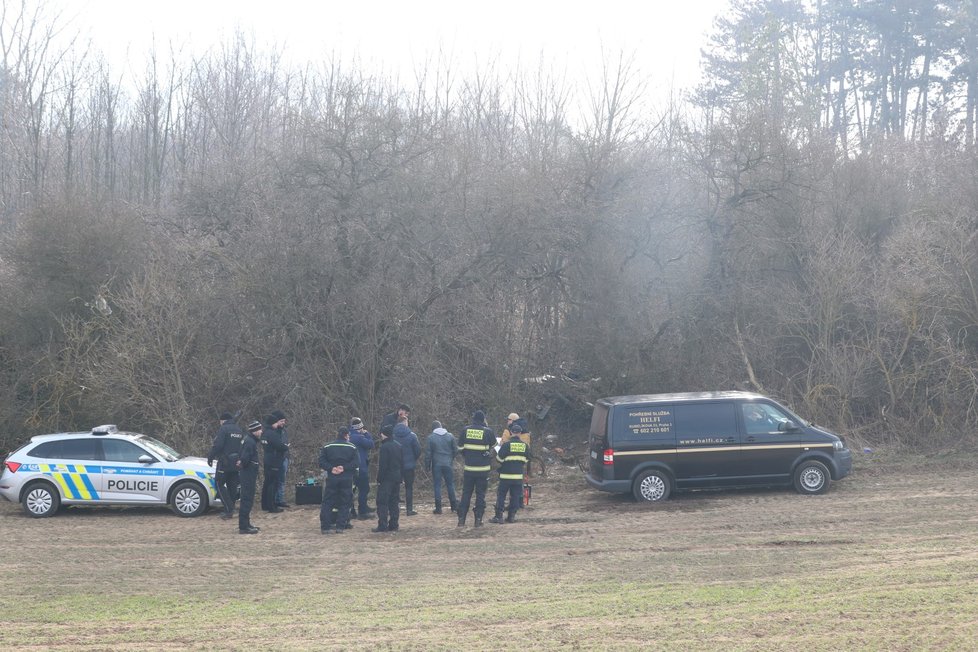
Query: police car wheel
41,500
189,499
812,477
652,486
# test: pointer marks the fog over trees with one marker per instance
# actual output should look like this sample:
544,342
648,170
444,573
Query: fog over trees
235,232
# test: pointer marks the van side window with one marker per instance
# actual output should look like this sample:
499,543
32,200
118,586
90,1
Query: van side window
705,420
760,418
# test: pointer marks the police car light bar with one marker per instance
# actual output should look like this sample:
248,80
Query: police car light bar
104,430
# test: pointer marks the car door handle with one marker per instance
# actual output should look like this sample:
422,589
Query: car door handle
751,438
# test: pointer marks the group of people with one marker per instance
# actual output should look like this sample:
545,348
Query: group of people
237,458
345,463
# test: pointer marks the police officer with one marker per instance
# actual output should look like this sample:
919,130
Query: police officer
248,470
360,438
512,458
389,475
276,447
341,461
477,442
226,450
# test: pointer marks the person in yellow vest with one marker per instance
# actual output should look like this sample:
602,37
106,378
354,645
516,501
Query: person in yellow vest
477,443
515,420
512,458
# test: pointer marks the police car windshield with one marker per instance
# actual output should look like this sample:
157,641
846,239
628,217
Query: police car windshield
159,448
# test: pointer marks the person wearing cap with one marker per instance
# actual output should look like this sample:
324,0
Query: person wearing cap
411,449
440,452
248,471
512,458
362,439
525,437
388,481
226,450
477,444
341,462
280,501
276,448
510,420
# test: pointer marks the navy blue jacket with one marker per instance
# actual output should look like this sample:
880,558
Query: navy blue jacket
364,442
410,445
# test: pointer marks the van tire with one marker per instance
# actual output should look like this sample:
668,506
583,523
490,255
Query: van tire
812,477
652,486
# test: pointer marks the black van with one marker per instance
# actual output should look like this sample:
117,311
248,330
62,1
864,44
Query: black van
653,444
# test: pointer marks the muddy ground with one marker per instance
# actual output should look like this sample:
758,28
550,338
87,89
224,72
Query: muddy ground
886,560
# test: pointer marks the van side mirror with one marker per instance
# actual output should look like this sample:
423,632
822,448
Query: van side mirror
787,426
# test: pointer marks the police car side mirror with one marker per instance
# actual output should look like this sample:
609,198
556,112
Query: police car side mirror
146,459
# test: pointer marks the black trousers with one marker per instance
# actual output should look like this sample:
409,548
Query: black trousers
477,481
249,478
363,489
227,488
388,497
269,488
515,490
337,501
408,475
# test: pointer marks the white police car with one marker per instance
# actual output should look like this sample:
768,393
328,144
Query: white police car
105,467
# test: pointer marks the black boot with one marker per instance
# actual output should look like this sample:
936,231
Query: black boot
437,509
511,518
478,521
498,518
461,519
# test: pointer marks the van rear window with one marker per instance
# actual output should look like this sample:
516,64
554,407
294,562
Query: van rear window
599,423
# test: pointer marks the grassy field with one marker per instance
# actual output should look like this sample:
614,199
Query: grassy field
887,560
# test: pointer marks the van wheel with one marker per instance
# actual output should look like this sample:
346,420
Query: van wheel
812,477
652,486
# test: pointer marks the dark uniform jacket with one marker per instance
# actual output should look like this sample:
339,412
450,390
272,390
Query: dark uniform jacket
339,453
389,468
512,458
249,452
477,441
227,446
275,447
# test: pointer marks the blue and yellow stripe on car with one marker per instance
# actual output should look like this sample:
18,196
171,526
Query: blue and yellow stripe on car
208,478
73,479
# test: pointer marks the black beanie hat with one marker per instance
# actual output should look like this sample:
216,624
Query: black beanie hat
226,416
387,430
479,416
277,415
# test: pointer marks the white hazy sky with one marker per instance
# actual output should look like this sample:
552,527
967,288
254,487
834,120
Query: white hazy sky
399,37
